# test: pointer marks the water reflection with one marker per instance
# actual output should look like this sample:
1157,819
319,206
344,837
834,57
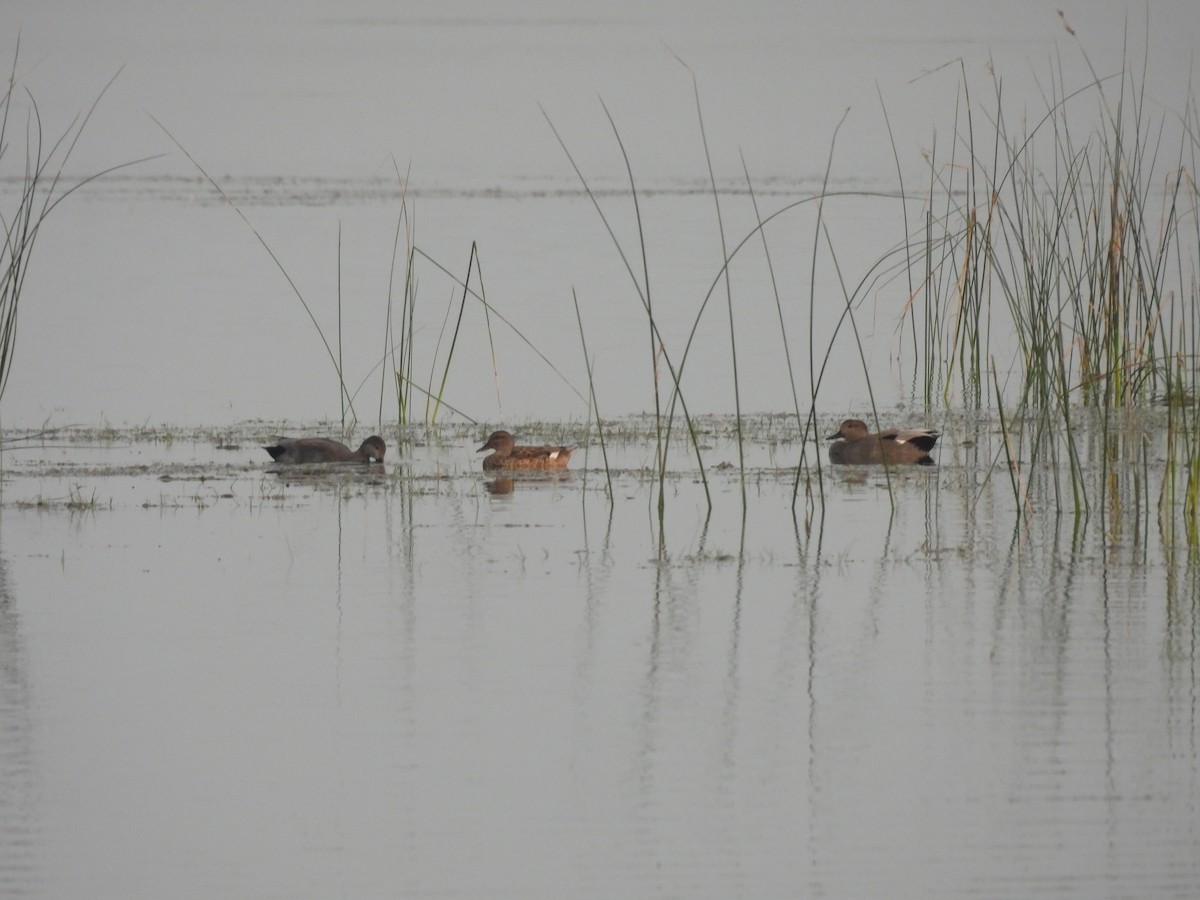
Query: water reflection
502,485
506,484
331,475
899,683
19,828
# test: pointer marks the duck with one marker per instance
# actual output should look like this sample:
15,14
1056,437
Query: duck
508,455
324,450
893,446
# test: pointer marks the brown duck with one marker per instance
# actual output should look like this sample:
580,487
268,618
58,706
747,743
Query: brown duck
323,450
509,456
893,446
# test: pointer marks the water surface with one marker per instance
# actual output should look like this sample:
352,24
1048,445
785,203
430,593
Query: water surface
220,679
403,683
149,301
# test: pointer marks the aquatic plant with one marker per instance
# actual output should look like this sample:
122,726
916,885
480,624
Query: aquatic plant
1051,278
657,346
344,395
593,404
1062,261
41,189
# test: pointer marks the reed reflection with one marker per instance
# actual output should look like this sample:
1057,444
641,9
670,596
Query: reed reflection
19,828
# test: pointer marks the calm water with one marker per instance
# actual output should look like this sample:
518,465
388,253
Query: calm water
219,681
404,684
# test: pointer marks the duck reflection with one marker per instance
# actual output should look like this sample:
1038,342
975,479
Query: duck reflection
506,484
502,485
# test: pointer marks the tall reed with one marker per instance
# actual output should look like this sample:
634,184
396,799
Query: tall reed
399,364
40,191
593,404
657,346
1077,238
716,196
345,397
1083,264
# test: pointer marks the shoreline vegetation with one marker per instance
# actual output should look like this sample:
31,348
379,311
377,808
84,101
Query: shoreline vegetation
1072,234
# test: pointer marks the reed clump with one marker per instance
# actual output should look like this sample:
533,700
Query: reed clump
41,187
1062,275
1085,252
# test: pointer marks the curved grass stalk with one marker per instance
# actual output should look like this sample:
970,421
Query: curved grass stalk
492,311
1014,472
402,221
472,261
737,395
275,259
657,345
594,406
814,382
40,194
787,353
907,230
